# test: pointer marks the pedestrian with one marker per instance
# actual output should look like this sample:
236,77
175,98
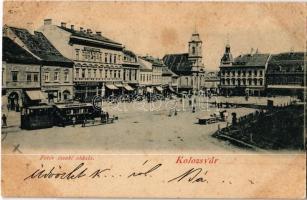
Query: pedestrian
17,107
73,121
107,117
4,118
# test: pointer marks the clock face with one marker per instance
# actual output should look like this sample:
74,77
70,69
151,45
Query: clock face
97,102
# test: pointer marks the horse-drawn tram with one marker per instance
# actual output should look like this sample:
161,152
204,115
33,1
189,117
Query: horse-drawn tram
76,113
36,117
46,116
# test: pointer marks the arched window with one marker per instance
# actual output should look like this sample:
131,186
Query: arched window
193,50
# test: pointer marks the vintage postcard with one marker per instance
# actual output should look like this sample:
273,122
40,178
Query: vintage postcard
153,99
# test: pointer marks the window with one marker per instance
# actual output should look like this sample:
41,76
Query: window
101,75
89,73
115,74
46,77
193,50
255,72
14,76
114,57
110,59
260,72
35,77
118,73
29,77
106,73
83,73
95,73
111,73
66,78
77,73
106,58
100,57
77,54
56,76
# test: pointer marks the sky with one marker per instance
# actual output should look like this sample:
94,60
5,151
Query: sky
159,28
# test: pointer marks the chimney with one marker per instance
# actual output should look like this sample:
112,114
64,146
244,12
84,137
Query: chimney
98,33
30,28
81,29
63,24
47,21
72,27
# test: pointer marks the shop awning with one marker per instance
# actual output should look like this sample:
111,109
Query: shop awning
111,86
119,85
159,88
35,95
171,89
128,87
150,90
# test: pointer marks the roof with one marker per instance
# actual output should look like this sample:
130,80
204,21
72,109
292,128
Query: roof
129,53
155,61
13,53
195,38
92,36
251,60
166,72
287,56
39,45
178,63
144,65
287,62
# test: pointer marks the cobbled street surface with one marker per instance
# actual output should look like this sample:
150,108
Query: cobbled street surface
142,128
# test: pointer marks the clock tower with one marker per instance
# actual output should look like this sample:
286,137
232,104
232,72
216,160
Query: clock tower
195,52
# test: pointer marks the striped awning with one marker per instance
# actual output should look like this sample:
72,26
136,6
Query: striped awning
119,85
111,87
128,87
159,88
35,95
150,90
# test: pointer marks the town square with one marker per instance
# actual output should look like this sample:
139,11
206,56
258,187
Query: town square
72,89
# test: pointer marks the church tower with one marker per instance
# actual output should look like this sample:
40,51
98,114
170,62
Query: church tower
227,58
195,52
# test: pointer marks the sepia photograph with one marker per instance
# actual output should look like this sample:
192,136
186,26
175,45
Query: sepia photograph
86,78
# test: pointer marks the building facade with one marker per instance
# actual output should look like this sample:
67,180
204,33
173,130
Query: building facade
145,78
131,71
20,76
188,66
97,60
243,75
56,70
285,74
156,78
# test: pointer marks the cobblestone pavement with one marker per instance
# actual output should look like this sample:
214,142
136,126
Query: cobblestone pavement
142,128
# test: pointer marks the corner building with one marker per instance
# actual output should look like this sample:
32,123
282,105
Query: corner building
97,60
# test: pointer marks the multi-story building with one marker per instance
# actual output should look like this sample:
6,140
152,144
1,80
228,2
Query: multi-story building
20,76
145,78
285,74
97,59
188,66
169,81
244,74
212,82
157,66
56,70
131,71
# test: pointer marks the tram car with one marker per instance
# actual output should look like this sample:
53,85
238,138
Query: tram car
37,117
46,116
75,113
